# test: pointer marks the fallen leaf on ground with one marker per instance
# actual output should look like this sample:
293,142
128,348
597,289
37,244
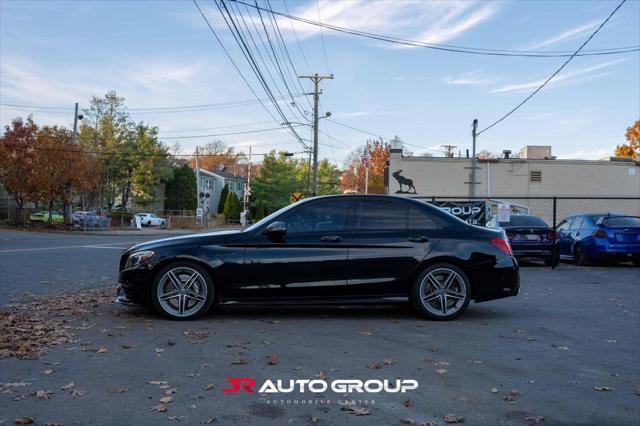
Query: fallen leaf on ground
603,388
321,376
407,421
43,394
240,362
494,390
158,350
24,420
166,399
453,418
314,419
441,370
474,361
512,395
77,392
118,390
171,342
47,372
355,410
161,408
209,387
563,348
102,350
68,386
208,421
535,420
389,361
375,366
176,417
157,382
171,391
367,333
409,403
272,359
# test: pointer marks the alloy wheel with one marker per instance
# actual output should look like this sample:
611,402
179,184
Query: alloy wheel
182,291
443,292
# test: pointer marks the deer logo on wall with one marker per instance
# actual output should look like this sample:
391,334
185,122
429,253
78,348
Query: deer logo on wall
403,181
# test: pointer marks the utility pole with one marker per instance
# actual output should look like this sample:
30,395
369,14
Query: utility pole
366,170
316,81
68,209
197,183
473,158
247,191
449,149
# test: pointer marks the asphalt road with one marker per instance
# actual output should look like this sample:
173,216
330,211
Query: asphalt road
50,263
566,349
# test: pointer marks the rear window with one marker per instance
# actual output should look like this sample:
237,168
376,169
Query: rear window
516,220
621,221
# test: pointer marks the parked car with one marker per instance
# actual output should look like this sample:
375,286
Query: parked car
530,237
44,217
90,219
339,249
151,219
589,238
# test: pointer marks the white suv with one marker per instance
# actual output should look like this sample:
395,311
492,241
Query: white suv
150,219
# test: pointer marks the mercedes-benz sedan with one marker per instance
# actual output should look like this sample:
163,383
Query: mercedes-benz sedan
340,249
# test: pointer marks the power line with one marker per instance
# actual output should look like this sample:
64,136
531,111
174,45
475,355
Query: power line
254,67
324,49
225,134
450,48
555,73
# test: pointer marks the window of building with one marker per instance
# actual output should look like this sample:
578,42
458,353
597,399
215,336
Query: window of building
535,176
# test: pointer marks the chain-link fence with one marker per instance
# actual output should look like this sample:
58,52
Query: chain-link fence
480,210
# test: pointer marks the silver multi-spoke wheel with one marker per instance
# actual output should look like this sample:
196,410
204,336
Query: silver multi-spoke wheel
182,292
441,292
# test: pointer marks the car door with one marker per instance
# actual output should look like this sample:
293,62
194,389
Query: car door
309,261
387,239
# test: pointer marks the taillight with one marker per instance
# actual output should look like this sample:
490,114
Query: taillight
599,234
553,236
502,244
510,236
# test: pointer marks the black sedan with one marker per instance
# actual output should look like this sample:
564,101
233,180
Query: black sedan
340,249
530,237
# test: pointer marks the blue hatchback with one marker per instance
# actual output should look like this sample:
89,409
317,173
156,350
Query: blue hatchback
589,238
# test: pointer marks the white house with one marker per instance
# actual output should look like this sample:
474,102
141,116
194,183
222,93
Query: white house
212,182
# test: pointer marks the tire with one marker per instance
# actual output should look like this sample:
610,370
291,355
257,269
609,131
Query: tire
424,286
580,255
191,296
149,223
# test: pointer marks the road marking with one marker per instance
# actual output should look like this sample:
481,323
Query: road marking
63,247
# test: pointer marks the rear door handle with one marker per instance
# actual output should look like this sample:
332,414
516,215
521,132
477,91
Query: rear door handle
331,239
418,239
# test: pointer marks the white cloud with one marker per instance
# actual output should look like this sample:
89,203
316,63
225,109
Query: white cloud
471,78
575,76
429,22
567,35
590,154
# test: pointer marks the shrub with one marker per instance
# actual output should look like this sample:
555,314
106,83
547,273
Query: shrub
223,199
232,207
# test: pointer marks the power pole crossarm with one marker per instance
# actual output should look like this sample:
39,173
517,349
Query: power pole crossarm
316,79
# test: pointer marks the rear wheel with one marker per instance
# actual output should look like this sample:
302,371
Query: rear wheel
580,255
441,292
182,291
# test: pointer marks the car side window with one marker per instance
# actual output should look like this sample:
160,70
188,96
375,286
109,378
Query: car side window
577,223
419,219
380,215
316,217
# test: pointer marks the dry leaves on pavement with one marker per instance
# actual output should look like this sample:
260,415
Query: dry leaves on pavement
453,418
272,359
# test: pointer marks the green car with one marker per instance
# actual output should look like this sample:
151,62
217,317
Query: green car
44,217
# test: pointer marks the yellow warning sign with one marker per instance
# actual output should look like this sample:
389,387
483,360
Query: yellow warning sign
296,196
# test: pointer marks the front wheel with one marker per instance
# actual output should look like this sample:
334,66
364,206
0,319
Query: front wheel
441,292
580,255
182,291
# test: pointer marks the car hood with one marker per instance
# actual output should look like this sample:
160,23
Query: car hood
191,239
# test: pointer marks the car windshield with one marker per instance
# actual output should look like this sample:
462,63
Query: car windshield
621,221
522,220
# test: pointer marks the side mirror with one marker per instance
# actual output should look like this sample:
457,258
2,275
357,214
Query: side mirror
275,230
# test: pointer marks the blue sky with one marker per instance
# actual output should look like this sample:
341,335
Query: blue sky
160,53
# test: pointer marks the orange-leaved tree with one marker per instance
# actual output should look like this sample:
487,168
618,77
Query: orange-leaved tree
632,148
18,161
353,177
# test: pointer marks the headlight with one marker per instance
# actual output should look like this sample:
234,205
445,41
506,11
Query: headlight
139,257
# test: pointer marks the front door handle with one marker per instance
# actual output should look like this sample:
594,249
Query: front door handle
418,239
331,239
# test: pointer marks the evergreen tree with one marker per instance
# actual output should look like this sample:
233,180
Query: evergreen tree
180,191
232,207
223,198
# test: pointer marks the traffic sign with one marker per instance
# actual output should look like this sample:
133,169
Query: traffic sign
296,196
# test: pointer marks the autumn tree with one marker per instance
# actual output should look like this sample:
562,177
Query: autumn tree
17,162
353,177
632,148
214,154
